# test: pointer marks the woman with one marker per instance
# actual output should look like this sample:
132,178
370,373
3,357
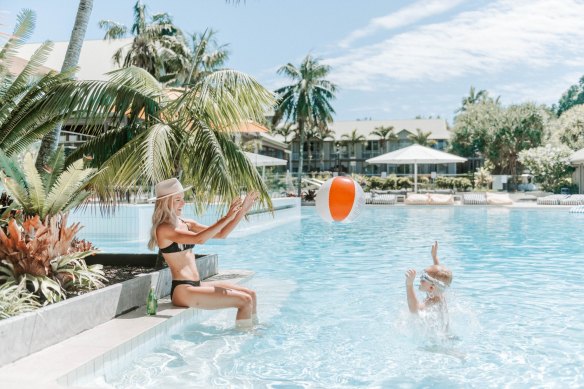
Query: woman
176,236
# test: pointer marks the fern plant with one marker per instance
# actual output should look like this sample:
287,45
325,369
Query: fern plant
47,192
44,257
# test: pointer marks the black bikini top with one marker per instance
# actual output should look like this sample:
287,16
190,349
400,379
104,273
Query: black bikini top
176,247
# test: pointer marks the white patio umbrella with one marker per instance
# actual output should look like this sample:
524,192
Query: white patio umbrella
416,154
264,160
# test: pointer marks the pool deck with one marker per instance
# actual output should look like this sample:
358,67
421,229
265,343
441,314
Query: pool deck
55,366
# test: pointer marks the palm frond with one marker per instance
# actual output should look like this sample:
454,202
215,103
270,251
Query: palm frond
23,30
10,168
74,179
16,190
36,189
113,29
56,164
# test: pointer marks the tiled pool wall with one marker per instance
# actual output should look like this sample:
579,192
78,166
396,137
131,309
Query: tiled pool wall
116,359
133,221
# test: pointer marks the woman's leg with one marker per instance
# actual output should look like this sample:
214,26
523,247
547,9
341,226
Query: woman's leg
214,297
227,285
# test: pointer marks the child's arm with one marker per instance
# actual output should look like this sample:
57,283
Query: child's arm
413,303
435,253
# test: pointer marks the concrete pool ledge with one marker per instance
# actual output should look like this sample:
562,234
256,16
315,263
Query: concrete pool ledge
101,350
32,331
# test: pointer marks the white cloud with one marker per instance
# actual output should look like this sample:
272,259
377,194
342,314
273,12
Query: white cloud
404,17
504,35
546,91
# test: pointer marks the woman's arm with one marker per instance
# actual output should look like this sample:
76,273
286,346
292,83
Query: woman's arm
168,232
247,204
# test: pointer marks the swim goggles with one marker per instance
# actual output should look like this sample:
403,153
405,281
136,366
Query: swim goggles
426,277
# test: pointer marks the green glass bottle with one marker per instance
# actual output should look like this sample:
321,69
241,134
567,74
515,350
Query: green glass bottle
151,303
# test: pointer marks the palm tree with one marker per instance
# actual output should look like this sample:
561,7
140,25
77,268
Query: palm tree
156,45
323,132
50,140
205,56
306,100
385,134
187,137
286,130
422,138
31,105
473,98
352,139
132,100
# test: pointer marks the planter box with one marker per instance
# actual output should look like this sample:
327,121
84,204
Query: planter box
30,332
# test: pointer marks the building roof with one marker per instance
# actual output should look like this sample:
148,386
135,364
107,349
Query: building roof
17,65
94,61
437,127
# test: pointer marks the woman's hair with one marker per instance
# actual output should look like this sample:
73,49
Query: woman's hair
163,213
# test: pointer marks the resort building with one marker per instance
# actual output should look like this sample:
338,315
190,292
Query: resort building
254,139
350,143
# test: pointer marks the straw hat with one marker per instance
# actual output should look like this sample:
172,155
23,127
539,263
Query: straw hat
168,188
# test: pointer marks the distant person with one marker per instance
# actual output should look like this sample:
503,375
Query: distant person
176,237
434,281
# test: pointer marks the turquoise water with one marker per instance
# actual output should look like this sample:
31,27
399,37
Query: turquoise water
333,306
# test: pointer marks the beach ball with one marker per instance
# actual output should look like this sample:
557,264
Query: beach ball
340,199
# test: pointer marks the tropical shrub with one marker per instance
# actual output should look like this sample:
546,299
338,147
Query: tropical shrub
499,133
47,192
44,257
459,183
568,129
482,178
549,165
16,299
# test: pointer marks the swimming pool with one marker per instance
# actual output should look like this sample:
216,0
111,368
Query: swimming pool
334,313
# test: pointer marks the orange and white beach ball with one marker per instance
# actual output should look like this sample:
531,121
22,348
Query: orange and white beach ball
340,199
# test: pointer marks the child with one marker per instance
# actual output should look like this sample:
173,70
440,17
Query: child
434,281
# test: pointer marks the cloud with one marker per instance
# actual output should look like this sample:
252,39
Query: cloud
504,35
547,91
404,17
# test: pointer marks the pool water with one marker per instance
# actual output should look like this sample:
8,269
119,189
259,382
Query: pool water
334,314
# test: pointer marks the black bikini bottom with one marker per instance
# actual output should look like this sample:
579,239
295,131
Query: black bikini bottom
176,283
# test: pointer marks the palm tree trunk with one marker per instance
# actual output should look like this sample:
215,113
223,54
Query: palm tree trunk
300,156
51,140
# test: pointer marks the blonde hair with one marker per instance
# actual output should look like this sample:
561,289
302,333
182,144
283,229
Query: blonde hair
163,213
440,273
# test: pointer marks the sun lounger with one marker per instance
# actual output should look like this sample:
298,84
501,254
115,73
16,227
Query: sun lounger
380,198
417,199
474,198
573,200
577,209
551,199
498,199
441,199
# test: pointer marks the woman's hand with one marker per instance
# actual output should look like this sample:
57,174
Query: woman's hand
234,208
410,277
249,200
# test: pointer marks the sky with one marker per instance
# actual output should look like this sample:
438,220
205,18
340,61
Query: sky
390,59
